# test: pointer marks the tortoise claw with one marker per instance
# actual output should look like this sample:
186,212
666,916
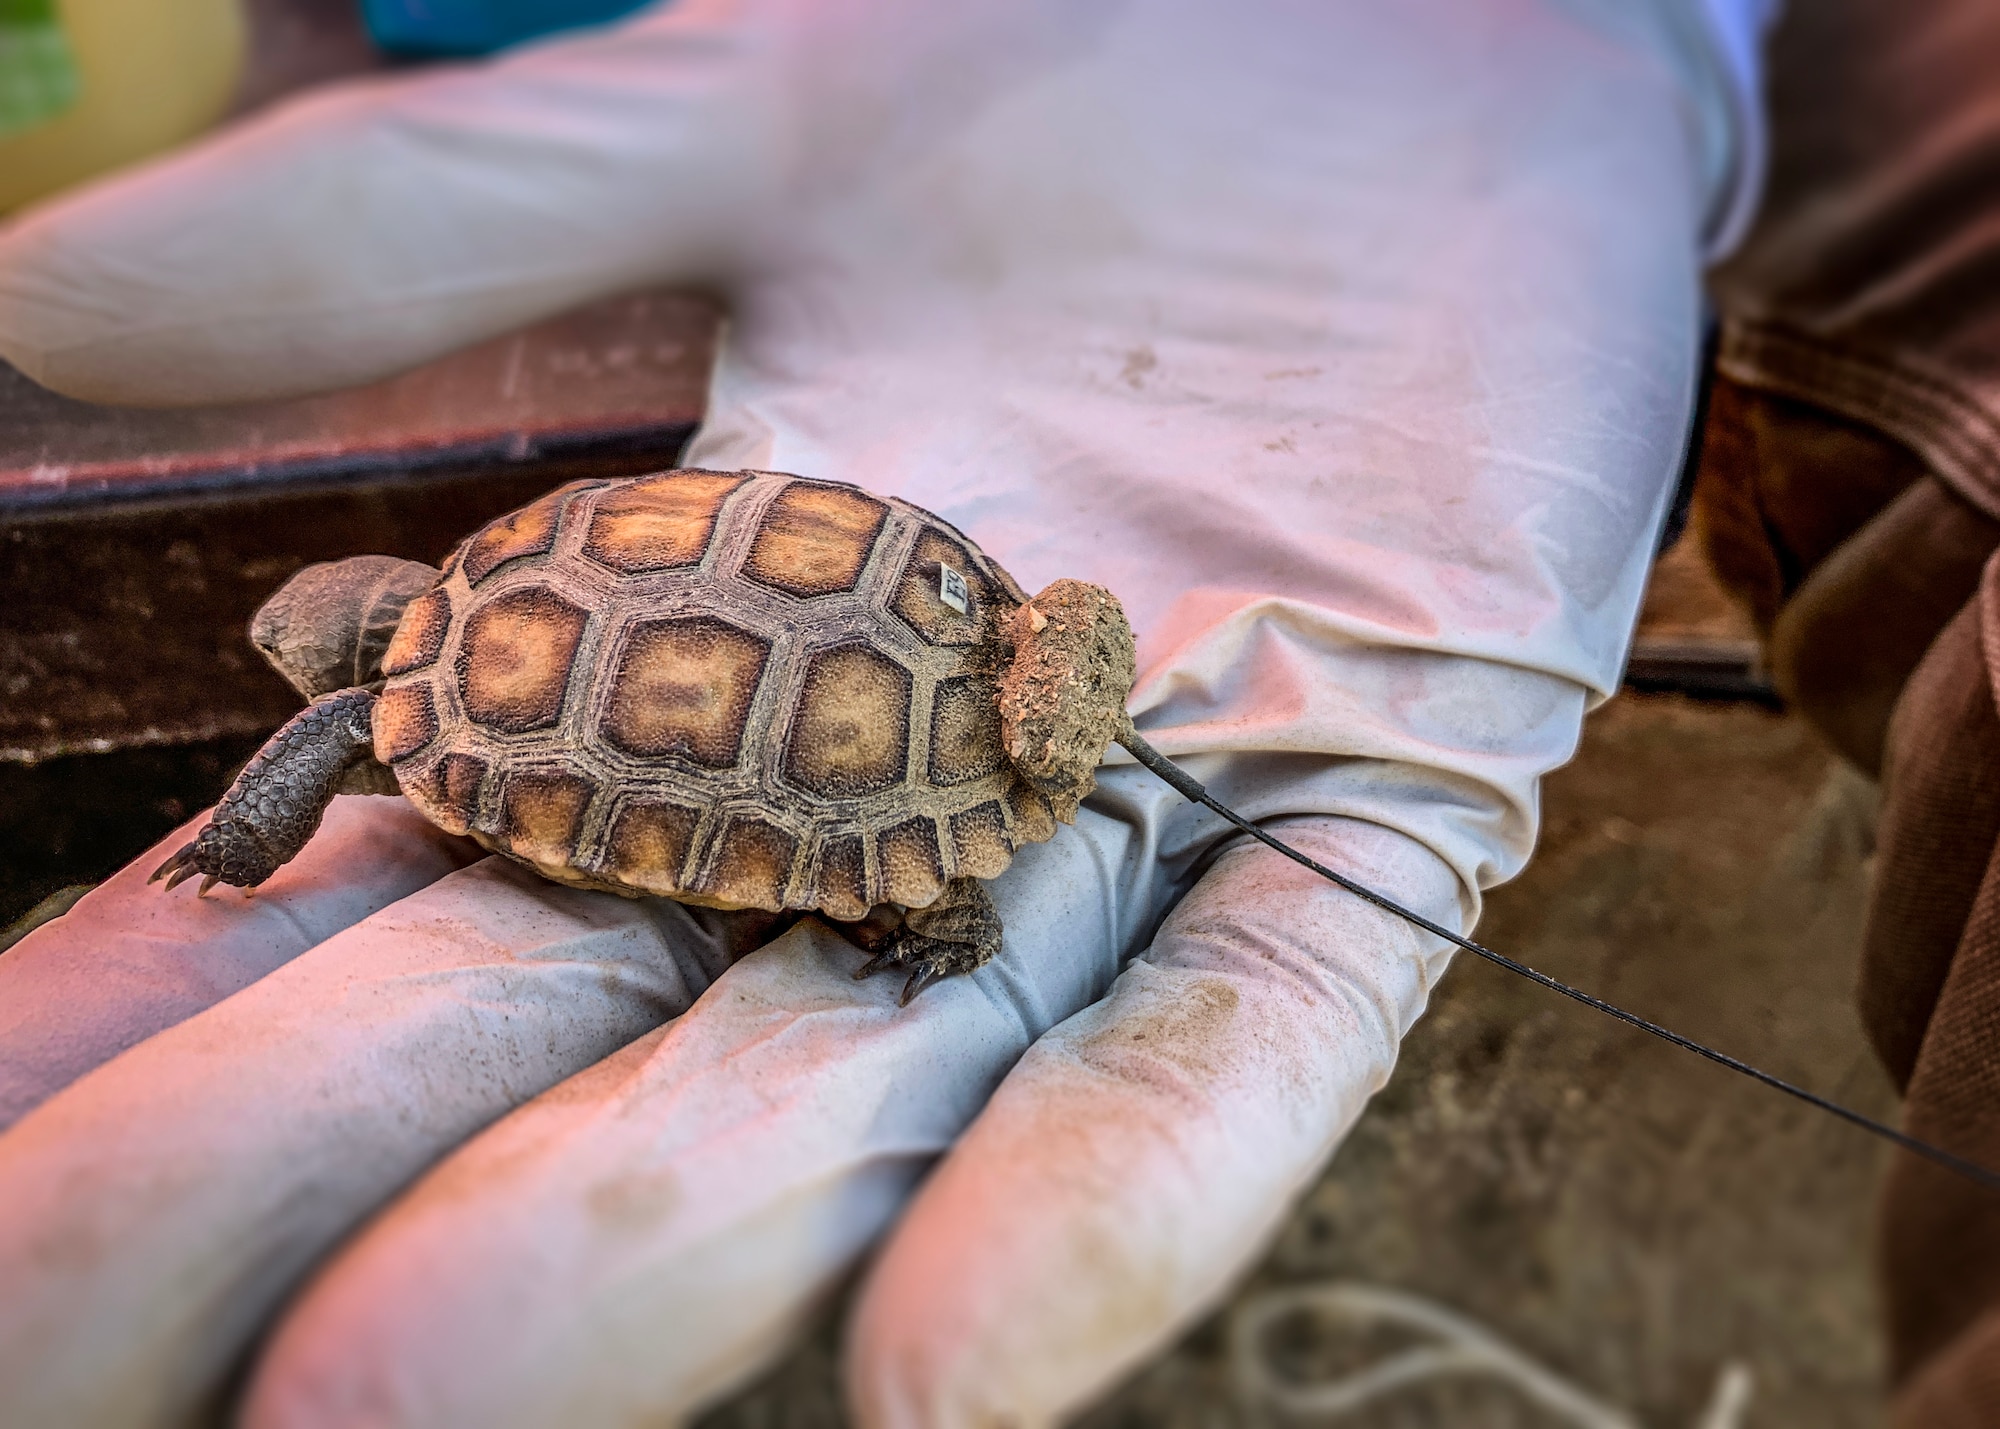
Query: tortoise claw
184,865
177,861
874,965
923,971
923,977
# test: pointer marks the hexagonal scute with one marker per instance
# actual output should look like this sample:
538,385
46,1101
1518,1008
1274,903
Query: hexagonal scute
912,873
965,731
448,790
649,845
1033,821
658,523
815,540
684,687
851,732
541,812
419,635
842,877
404,720
924,609
514,659
751,865
527,532
979,836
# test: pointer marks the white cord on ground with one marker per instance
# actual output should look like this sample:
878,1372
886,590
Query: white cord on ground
1730,1402
1461,1348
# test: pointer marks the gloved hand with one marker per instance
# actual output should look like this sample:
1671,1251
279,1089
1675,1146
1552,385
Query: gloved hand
1352,346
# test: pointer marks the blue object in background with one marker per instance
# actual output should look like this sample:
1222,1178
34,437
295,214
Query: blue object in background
479,27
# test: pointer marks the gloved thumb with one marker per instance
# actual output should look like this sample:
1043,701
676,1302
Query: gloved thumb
363,230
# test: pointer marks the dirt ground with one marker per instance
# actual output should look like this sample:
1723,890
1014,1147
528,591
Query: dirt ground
1628,1218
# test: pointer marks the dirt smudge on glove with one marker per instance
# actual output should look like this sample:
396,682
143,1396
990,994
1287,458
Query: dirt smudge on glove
1178,1040
634,1202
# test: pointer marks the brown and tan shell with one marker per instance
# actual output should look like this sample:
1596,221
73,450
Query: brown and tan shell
740,689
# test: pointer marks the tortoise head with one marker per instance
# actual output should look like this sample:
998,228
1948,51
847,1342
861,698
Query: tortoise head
326,628
1062,696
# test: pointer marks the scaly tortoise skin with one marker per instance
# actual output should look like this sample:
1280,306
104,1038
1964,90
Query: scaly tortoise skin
744,690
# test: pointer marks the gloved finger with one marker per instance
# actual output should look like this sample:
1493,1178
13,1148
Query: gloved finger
1143,1152
128,961
161,1207
362,230
645,1236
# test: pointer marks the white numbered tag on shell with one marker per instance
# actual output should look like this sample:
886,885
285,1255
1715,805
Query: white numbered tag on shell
953,591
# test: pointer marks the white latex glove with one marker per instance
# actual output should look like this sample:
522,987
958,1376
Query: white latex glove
1352,346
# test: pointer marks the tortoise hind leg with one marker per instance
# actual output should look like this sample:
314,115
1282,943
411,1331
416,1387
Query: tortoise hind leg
276,802
959,933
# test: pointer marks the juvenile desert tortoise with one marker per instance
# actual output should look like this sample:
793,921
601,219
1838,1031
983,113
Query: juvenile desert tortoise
739,689
735,689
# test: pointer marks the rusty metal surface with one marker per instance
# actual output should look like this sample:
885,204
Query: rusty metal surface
129,627
627,374
134,545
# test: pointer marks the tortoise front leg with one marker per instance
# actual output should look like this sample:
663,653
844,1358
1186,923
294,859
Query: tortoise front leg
276,802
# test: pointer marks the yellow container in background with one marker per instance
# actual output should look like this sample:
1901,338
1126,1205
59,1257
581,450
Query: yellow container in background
152,72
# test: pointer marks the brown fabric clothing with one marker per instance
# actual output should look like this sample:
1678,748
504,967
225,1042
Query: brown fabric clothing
1844,622
1939,827
1850,494
1858,625
1960,1387
1931,993
1854,601
1860,354
1848,554
1868,285
1782,483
